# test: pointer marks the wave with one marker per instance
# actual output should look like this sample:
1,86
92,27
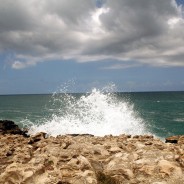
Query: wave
99,113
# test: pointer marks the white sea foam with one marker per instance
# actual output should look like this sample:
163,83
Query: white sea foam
98,113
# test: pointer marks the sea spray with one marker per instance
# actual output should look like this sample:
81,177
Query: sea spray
99,113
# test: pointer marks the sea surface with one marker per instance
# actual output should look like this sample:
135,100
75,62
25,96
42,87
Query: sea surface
99,113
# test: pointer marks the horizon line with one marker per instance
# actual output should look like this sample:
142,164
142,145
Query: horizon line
156,91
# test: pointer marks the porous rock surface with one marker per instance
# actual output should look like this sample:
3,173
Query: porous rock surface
87,159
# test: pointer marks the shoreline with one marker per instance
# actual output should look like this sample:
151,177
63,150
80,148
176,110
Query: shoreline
88,159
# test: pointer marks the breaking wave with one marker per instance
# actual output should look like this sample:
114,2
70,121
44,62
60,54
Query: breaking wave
99,113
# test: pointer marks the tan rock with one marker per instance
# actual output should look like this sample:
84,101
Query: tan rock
146,169
37,137
181,140
115,149
168,168
89,159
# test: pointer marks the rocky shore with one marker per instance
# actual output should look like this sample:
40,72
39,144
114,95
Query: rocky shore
87,159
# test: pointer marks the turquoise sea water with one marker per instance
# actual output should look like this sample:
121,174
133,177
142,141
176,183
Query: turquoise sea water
158,113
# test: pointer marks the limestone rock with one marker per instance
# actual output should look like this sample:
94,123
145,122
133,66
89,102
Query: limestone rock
179,139
86,159
37,137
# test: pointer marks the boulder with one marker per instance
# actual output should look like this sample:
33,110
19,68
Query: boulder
37,137
9,127
178,139
172,139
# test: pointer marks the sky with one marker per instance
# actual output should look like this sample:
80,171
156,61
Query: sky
137,45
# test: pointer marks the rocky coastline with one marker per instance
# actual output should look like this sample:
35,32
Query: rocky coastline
88,159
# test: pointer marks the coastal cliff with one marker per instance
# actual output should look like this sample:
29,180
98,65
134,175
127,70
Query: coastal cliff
88,159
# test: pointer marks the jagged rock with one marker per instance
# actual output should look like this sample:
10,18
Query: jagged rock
178,139
37,137
167,168
85,159
172,139
147,169
9,127
181,140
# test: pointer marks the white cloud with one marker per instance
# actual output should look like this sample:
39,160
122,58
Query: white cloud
21,65
174,20
144,31
121,66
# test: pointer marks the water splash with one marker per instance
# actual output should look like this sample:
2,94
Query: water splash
99,113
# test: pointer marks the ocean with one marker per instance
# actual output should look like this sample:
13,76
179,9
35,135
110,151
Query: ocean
99,113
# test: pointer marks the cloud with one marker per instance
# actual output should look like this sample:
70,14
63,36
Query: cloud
144,31
21,65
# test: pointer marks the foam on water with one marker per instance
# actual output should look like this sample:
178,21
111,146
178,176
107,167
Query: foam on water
98,113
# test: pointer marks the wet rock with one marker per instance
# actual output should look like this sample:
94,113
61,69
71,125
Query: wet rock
179,139
9,127
172,139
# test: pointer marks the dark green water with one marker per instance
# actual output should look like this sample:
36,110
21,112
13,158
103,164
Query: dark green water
162,112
